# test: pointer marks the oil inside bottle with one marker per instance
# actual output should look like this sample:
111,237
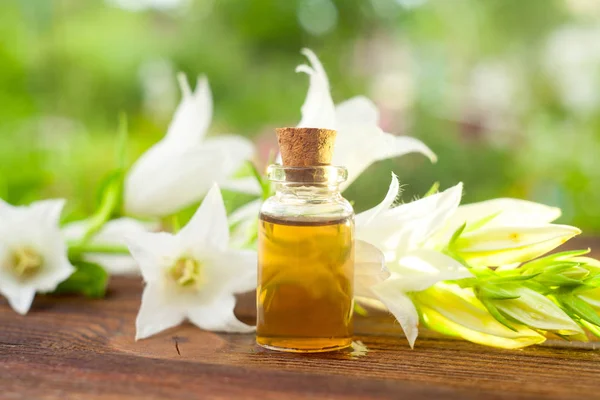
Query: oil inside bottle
305,284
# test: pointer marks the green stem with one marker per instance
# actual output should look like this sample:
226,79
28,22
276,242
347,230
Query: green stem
106,249
176,225
77,250
102,216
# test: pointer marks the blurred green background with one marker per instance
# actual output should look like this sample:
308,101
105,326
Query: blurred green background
506,92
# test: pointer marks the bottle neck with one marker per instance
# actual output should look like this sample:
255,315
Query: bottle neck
307,193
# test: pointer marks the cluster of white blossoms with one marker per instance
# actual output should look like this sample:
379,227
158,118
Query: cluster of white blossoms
415,238
403,251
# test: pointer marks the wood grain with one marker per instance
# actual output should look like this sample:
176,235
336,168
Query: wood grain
74,348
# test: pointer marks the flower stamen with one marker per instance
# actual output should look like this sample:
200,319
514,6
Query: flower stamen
26,262
186,272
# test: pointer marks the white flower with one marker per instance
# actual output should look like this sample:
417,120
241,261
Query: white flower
498,232
500,212
360,142
433,267
399,230
498,246
401,233
112,235
244,224
537,311
33,254
193,274
180,169
504,232
457,312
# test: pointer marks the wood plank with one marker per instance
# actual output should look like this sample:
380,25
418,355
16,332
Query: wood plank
69,347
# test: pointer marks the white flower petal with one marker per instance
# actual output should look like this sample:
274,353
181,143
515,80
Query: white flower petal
209,224
248,210
359,146
156,313
429,216
592,297
236,148
74,230
47,211
236,269
420,269
153,252
164,180
52,273
537,311
366,217
509,212
113,233
369,268
390,146
218,316
115,264
4,205
20,297
406,227
247,185
357,110
318,110
244,223
503,245
401,306
457,312
35,227
193,115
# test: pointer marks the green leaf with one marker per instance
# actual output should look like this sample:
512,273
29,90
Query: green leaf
433,189
456,235
512,278
559,268
111,200
265,184
451,253
577,273
89,279
495,292
467,282
543,262
593,281
110,192
360,310
482,222
257,175
497,314
538,287
579,307
595,329
537,311
557,280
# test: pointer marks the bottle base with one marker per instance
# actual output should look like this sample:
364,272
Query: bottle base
304,345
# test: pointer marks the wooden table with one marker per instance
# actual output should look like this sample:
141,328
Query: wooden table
74,348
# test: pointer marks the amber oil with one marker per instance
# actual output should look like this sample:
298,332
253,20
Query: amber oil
305,283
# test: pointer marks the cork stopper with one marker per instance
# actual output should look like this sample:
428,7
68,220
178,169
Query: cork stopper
305,147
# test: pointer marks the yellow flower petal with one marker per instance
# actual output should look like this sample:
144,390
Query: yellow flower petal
511,244
457,312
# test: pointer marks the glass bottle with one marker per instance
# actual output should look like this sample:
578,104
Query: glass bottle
305,262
